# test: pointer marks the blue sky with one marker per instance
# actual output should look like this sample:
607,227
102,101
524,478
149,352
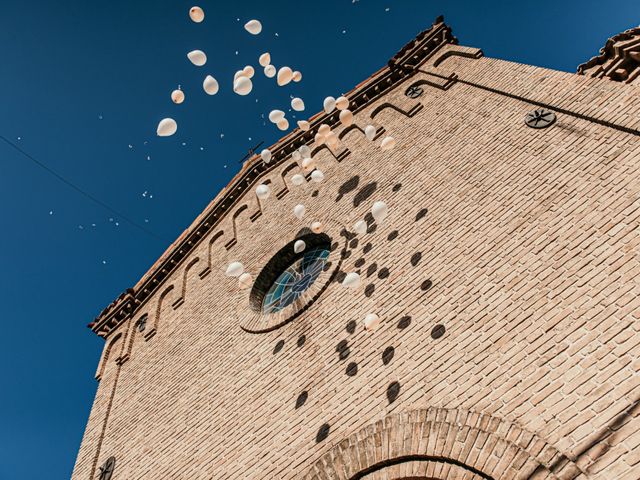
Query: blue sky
84,86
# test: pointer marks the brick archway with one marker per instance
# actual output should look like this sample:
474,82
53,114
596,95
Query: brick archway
443,444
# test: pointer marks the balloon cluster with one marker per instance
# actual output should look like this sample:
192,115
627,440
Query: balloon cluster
242,83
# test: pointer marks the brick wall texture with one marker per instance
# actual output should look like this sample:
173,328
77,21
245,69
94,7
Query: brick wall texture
520,360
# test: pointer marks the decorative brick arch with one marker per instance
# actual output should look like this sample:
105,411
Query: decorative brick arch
132,331
258,213
414,110
444,444
154,328
338,158
458,51
231,243
348,129
214,238
183,289
285,189
110,351
440,82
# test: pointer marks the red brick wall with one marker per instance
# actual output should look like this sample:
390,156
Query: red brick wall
530,242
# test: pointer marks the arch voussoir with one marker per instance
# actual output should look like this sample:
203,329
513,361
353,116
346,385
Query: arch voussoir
444,444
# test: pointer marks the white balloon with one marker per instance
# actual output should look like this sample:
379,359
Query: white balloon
242,86
319,138
388,143
210,85
299,246
371,322
329,104
297,76
265,59
324,129
263,191
167,127
284,76
360,227
297,179
177,96
298,211
305,151
304,125
296,156
197,57
308,164
332,140
266,155
275,116
352,280
196,14
317,176
234,269
283,124
239,73
269,71
248,71
346,117
245,281
297,104
342,103
370,132
379,211
316,227
254,27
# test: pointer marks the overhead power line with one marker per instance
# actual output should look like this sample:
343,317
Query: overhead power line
82,191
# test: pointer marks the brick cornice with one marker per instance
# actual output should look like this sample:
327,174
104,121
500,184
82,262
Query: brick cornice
619,59
400,67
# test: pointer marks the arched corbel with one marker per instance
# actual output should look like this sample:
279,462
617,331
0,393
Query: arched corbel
380,130
154,328
338,158
258,213
413,111
207,268
438,81
183,290
229,245
348,129
110,350
458,51
284,173
138,326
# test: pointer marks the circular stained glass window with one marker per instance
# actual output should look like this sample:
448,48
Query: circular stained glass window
290,286
290,282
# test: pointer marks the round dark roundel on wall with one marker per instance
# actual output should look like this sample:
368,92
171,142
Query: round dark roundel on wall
414,91
105,472
540,118
290,282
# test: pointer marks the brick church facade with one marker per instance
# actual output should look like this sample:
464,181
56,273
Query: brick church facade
505,278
